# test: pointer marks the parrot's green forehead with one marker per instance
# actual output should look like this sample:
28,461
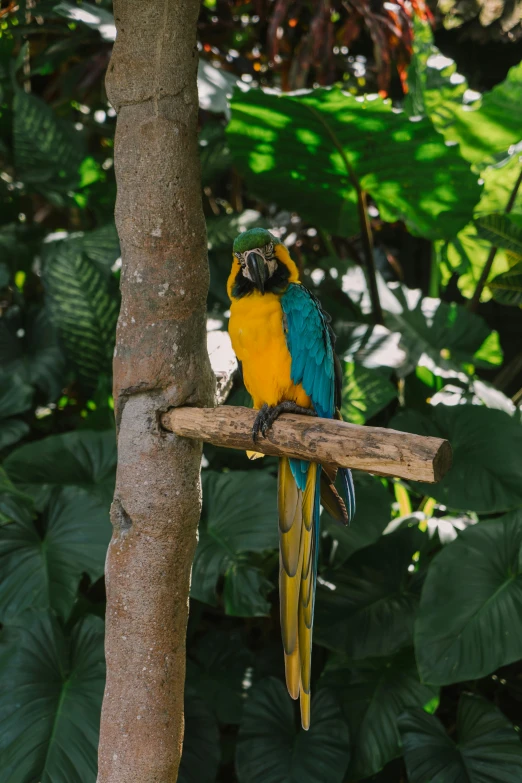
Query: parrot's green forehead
252,239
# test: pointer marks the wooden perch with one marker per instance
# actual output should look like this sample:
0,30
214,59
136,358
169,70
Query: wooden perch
372,449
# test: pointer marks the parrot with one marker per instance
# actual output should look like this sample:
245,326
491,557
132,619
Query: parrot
284,344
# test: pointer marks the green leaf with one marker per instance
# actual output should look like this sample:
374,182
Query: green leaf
11,431
486,475
442,336
372,516
435,86
492,125
239,516
84,307
370,345
214,87
466,254
222,230
476,392
365,393
245,590
501,230
368,608
201,749
29,348
471,600
51,690
219,668
82,459
271,749
15,397
15,506
372,696
47,151
507,288
101,246
214,152
93,16
488,748
44,572
305,151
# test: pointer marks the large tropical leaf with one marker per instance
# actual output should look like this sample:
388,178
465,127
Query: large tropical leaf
245,591
507,288
102,245
365,393
44,572
15,397
29,348
219,669
372,696
372,516
239,516
435,86
15,506
486,474
82,459
467,625
214,152
201,749
271,749
492,125
501,230
84,306
444,335
370,345
93,16
467,253
47,151
488,748
475,392
368,607
483,126
51,689
306,151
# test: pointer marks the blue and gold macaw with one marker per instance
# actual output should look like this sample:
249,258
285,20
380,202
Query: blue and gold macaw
285,345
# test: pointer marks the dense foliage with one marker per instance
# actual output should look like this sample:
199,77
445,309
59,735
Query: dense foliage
416,666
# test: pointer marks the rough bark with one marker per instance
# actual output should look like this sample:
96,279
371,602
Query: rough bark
373,449
160,361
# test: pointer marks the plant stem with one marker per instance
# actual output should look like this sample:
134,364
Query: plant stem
366,229
369,261
475,301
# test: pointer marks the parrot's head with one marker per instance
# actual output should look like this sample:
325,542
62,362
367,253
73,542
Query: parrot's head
263,261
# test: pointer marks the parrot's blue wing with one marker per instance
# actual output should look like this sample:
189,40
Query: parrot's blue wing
310,346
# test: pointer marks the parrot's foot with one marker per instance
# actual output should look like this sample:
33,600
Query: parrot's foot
266,416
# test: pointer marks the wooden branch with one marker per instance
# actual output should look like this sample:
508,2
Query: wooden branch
160,361
372,449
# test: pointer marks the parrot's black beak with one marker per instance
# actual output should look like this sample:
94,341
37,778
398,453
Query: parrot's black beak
257,269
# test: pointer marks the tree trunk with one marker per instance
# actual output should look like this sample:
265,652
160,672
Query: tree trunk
160,361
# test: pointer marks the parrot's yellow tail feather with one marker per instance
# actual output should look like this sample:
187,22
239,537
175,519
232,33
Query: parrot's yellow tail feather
293,672
305,710
296,580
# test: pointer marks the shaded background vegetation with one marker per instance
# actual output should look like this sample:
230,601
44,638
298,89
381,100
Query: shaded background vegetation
418,612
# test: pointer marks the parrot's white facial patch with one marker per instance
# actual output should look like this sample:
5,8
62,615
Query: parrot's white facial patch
268,255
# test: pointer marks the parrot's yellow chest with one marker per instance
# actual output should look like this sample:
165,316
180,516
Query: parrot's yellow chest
256,329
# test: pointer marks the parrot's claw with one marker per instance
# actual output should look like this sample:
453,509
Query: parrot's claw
259,421
267,416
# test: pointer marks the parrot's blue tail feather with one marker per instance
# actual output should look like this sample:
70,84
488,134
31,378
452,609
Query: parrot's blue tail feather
348,491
